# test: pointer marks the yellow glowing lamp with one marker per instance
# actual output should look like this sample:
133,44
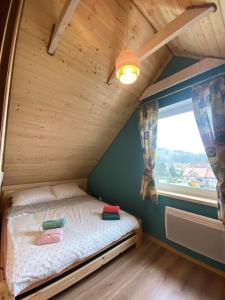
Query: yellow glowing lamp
127,67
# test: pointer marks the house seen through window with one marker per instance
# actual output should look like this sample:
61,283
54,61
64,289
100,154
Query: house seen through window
182,164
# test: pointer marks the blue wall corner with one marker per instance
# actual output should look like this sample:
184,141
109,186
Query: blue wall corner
117,178
177,64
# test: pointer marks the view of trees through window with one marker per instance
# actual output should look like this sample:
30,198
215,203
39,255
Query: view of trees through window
181,158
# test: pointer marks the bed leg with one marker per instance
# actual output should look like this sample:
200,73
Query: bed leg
139,235
4,291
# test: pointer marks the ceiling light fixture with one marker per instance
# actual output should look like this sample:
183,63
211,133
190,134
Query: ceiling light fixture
127,67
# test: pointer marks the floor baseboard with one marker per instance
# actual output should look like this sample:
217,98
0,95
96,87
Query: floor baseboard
185,256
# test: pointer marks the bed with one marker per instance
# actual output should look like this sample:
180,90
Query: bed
33,272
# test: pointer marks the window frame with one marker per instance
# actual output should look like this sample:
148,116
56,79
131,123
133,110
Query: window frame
177,191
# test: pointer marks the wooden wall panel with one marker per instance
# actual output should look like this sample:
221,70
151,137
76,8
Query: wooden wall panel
62,114
10,12
206,38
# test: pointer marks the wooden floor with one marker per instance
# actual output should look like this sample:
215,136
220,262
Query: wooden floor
149,273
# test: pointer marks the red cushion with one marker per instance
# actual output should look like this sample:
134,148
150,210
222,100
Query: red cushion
111,208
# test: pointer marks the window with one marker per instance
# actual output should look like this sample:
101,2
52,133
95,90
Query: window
182,165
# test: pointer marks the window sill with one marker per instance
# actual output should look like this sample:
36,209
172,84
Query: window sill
188,198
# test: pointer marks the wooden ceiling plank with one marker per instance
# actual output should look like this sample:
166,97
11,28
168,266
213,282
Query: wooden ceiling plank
202,66
209,36
219,29
60,26
222,8
214,32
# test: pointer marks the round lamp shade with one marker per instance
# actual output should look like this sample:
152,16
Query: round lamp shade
127,67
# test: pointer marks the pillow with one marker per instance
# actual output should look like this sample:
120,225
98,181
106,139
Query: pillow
33,196
67,190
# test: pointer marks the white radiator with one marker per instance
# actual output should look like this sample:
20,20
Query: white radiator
198,233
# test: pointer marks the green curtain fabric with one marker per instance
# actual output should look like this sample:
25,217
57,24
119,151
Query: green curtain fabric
148,132
209,109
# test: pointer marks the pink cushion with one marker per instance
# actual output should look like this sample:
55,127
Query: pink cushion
53,231
49,239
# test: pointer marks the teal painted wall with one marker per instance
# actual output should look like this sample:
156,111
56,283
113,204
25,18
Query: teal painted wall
117,180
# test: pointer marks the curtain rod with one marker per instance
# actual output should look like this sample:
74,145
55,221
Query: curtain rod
143,102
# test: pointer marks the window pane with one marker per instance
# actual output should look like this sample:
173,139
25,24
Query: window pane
181,157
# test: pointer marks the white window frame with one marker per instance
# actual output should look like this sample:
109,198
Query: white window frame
176,191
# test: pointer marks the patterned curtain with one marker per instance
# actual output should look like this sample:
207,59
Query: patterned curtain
148,132
209,109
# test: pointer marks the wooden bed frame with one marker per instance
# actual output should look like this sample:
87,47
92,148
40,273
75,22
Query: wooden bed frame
44,289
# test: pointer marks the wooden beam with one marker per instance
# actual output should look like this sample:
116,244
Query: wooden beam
202,66
145,15
170,31
111,76
60,26
173,29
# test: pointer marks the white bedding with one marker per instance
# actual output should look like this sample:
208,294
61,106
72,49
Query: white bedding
84,234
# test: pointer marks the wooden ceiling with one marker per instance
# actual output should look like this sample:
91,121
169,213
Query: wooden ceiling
206,38
63,116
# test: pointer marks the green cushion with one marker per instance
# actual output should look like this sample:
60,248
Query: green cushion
59,223
110,216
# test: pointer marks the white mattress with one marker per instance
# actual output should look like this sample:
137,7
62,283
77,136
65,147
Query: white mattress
85,234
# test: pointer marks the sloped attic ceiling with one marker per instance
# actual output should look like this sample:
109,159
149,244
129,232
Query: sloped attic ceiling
63,115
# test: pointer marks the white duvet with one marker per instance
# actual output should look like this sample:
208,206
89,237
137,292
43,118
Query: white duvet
84,234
